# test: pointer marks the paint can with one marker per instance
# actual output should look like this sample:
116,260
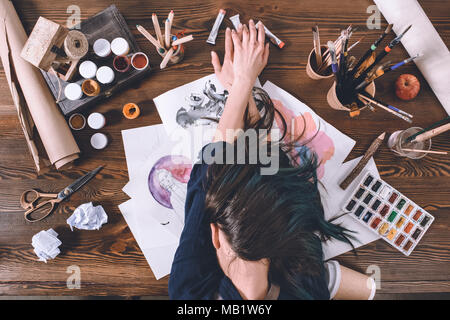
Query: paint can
120,47
105,75
99,141
90,87
140,61
121,63
77,122
102,48
96,121
73,91
87,69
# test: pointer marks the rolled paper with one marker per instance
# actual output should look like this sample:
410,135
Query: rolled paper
26,82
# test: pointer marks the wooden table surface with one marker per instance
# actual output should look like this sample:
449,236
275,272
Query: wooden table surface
110,260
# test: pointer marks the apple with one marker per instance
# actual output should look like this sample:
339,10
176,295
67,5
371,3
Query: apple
407,87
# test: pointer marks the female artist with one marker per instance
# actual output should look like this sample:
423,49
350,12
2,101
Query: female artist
248,235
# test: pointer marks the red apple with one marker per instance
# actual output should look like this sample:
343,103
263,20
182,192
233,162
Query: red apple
407,87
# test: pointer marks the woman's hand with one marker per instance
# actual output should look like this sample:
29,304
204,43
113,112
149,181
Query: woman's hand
250,53
226,72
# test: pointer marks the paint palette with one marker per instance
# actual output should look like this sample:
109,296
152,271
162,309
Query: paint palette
387,212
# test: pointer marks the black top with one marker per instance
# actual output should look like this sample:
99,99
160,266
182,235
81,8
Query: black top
196,273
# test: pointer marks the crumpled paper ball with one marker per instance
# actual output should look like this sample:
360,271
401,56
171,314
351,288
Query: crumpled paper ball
88,217
46,245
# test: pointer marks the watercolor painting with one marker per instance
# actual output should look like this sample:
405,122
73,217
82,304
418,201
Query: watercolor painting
330,145
167,182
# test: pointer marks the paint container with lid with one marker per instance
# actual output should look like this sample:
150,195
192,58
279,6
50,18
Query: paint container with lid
139,61
90,88
120,47
102,48
121,63
99,141
73,91
105,75
88,69
131,111
77,121
96,121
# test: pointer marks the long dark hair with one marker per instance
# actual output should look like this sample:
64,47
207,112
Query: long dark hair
277,217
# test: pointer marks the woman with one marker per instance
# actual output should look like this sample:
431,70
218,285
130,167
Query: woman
249,235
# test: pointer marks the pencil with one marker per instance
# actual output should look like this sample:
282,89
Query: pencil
425,151
150,38
362,163
170,17
167,33
157,29
434,125
182,40
166,58
432,133
317,48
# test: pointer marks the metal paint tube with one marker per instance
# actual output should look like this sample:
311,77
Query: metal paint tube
215,29
273,38
235,21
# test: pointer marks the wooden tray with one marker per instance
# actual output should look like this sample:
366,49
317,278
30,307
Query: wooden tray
108,24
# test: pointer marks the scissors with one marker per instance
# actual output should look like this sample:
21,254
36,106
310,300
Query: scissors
31,203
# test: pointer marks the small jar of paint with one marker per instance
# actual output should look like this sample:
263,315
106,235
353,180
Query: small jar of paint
131,111
87,69
139,61
120,47
121,63
99,141
77,122
96,121
102,48
90,87
73,91
105,75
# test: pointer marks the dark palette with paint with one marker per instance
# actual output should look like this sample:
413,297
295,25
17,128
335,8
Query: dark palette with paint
387,212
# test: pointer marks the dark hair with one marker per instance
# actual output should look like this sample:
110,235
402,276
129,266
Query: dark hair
278,217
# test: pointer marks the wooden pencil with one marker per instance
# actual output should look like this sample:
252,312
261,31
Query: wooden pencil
362,163
150,38
157,29
425,151
183,40
166,58
167,33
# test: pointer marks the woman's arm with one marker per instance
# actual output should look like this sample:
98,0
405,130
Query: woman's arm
244,60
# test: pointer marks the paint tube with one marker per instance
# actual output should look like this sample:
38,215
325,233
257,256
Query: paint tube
215,29
235,20
273,38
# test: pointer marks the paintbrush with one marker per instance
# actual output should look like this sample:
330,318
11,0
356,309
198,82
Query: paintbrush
432,133
372,48
382,70
150,38
334,64
317,48
425,151
434,125
391,109
382,54
362,163
356,43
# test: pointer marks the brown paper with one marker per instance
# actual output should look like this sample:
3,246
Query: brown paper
31,96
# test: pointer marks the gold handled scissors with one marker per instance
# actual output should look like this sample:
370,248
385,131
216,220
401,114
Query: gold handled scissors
33,200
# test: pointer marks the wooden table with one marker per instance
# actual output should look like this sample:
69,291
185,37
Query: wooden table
110,260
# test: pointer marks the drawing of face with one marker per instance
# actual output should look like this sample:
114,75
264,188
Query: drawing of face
168,178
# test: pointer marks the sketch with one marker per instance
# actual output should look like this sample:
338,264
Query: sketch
199,111
167,182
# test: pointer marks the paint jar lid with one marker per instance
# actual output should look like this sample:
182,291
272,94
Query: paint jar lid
105,75
102,48
99,141
73,91
96,121
120,47
88,69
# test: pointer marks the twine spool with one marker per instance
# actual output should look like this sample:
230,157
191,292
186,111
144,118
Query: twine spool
76,45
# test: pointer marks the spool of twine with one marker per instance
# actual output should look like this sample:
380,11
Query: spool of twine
76,45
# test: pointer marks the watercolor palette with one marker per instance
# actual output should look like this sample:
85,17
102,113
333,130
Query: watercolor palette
387,212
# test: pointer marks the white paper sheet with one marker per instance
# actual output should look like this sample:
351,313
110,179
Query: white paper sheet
421,38
335,200
157,244
331,145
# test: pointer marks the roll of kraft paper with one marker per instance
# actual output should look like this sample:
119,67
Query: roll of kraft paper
422,38
31,94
